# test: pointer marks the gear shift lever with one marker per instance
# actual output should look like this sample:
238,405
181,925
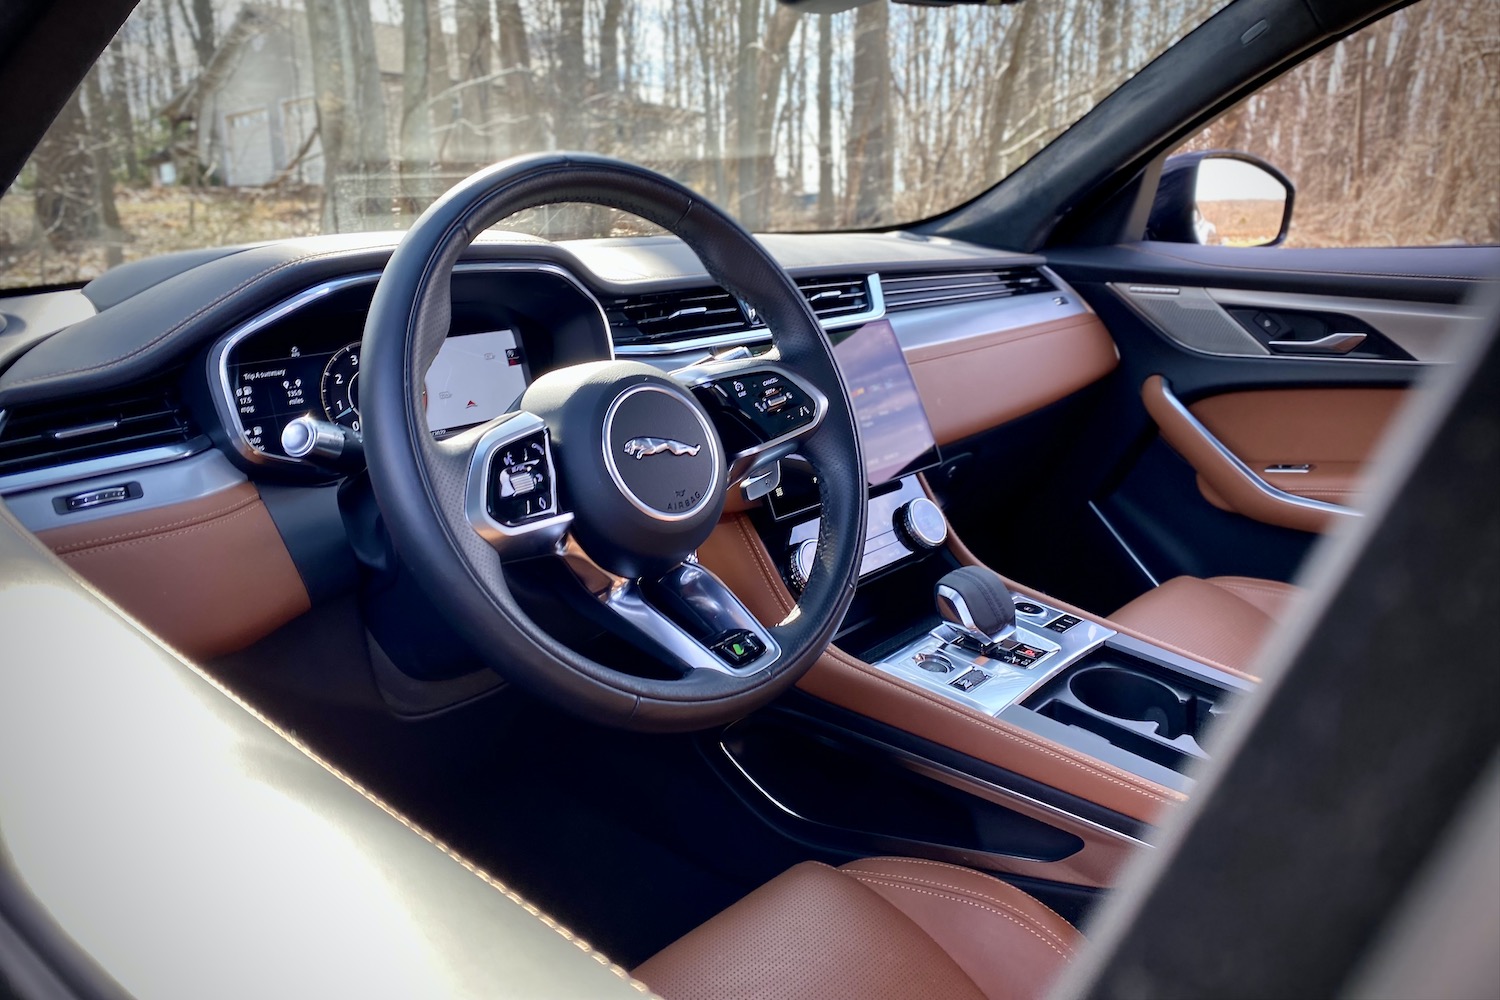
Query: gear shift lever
976,602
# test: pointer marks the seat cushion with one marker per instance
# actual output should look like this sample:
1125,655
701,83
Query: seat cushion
1222,618
877,929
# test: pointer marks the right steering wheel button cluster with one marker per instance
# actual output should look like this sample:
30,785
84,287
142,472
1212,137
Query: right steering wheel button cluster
770,403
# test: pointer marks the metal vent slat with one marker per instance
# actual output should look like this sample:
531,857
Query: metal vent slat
666,318
918,291
38,437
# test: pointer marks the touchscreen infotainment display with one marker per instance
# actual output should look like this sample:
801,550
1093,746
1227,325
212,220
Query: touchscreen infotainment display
893,428
474,378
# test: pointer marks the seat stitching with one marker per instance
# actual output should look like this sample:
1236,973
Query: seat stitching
90,543
977,895
1024,925
970,871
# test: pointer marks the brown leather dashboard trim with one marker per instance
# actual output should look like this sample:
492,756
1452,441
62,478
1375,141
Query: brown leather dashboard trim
961,382
208,576
736,553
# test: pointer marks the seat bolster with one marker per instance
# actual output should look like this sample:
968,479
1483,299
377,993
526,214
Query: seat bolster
1008,943
812,933
1224,618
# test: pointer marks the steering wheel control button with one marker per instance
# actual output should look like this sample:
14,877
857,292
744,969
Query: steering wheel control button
520,488
1027,608
661,452
771,404
739,647
1063,624
970,680
921,524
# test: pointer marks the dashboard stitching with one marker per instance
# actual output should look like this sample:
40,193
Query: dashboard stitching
180,324
157,529
92,547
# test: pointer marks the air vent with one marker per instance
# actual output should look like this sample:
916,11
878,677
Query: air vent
673,317
666,319
919,291
54,435
833,299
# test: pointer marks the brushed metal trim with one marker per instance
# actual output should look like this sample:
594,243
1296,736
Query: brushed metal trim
125,461
162,484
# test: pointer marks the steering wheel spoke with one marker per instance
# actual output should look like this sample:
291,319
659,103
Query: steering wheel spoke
687,617
760,405
511,496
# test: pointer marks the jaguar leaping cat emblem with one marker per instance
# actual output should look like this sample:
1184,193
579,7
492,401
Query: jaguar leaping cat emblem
639,448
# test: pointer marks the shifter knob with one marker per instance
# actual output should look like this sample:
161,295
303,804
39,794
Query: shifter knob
976,602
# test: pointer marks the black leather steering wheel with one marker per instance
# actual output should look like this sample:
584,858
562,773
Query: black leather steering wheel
613,466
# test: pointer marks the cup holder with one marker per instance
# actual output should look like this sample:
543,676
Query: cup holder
1125,694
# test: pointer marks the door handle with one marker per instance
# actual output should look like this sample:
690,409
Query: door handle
1334,343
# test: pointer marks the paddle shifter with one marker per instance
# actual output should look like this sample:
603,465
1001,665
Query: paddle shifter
977,604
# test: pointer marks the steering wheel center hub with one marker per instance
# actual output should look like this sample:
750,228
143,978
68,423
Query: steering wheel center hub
640,460
662,452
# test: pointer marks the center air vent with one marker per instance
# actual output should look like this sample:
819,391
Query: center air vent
918,291
134,419
673,317
668,320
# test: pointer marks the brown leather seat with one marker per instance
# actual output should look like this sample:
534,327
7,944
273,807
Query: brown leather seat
877,929
1222,618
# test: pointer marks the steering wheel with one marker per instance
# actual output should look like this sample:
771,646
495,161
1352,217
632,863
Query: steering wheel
615,467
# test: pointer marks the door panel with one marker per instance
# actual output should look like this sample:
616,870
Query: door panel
1204,404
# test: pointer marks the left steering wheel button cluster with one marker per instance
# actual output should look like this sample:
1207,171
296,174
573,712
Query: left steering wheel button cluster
521,481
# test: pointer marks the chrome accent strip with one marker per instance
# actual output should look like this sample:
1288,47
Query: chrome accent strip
1334,344
761,336
960,321
1139,564
162,485
532,537
1281,496
84,430
710,438
127,461
1429,333
224,404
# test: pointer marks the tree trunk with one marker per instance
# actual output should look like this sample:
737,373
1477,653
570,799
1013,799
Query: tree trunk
609,47
871,177
569,123
121,122
351,114
825,121
418,150
475,41
65,199
525,133
746,121
200,25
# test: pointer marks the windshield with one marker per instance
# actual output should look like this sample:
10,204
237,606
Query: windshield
210,122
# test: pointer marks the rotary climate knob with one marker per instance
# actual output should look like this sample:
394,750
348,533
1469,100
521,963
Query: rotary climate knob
921,524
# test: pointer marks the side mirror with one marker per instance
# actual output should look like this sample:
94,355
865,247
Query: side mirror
1221,198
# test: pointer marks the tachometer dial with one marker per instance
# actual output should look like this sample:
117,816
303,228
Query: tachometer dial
341,387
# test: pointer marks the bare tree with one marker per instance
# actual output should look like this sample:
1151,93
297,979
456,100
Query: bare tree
871,171
351,112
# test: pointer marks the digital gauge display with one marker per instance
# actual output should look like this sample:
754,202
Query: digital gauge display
475,377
